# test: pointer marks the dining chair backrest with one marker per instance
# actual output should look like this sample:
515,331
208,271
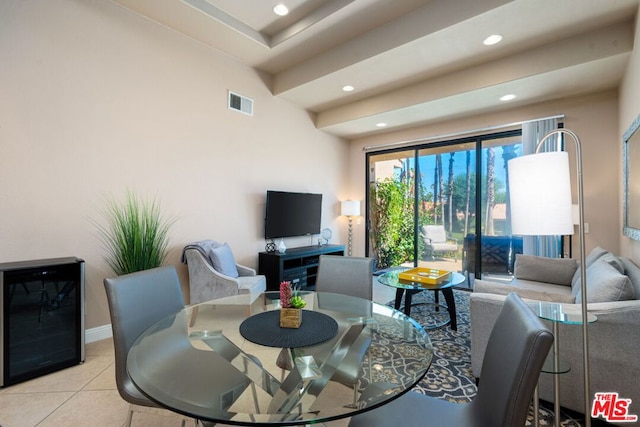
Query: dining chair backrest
345,275
137,301
517,348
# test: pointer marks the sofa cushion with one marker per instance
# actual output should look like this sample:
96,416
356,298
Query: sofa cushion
558,271
632,271
223,261
614,261
605,284
595,253
526,289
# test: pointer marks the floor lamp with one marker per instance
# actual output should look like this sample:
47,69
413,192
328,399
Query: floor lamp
540,202
350,208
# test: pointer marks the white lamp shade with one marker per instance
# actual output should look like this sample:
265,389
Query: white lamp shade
350,208
540,194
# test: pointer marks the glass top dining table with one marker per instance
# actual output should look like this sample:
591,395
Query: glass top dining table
222,361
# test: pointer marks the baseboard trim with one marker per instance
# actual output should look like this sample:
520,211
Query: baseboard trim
98,333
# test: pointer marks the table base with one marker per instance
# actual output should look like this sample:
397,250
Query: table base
448,296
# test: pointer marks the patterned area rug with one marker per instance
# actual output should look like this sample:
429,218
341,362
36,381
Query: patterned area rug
449,376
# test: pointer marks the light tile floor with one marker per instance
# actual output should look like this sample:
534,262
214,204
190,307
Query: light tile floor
86,395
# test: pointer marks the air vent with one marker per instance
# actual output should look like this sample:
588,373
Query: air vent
240,103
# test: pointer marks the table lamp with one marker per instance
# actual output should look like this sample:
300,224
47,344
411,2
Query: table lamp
350,208
540,202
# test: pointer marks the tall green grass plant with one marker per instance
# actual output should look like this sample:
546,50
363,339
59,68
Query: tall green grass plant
136,235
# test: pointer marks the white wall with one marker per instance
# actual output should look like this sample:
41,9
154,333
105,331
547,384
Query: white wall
95,99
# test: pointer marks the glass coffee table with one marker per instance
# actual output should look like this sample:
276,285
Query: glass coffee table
408,288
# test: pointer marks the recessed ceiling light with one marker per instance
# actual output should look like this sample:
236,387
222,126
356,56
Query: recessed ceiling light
508,97
381,124
348,88
280,9
492,39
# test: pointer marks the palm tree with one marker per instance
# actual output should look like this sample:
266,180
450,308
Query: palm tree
450,192
440,184
468,194
491,194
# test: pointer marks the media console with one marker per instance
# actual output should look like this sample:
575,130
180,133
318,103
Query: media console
297,265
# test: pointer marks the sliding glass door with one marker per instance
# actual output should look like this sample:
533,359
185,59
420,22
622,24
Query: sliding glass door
496,246
443,205
447,181
391,208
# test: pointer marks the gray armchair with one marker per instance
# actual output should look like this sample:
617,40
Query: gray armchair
213,273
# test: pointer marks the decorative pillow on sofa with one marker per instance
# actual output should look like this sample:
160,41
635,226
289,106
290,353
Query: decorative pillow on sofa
595,253
605,284
558,271
632,271
223,261
614,261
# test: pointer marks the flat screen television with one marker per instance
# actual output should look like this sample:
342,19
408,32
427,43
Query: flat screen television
292,214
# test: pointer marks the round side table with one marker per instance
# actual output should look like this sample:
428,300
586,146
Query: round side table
556,314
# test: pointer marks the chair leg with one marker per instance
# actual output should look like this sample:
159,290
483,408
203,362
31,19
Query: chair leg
129,416
194,314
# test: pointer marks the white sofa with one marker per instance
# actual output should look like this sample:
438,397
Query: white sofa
614,339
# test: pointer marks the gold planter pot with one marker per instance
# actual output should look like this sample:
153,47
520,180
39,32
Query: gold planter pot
290,317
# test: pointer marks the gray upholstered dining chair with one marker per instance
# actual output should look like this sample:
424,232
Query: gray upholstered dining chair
351,276
345,275
517,348
137,301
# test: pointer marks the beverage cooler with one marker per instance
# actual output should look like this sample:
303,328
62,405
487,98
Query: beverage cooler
41,317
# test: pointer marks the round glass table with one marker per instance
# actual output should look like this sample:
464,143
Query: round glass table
410,287
203,366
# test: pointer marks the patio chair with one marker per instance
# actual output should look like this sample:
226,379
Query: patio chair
436,241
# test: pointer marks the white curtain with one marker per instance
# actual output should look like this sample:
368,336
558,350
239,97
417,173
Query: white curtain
532,132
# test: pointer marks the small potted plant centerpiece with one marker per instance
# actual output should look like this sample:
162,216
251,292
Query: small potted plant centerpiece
292,304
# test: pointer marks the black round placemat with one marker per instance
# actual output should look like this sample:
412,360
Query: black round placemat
264,329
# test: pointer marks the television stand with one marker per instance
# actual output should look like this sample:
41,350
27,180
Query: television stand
297,265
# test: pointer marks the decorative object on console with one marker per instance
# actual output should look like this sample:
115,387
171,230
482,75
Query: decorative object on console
326,234
540,196
270,246
282,248
350,208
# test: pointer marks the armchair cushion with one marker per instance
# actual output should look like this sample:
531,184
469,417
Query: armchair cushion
222,260
558,271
